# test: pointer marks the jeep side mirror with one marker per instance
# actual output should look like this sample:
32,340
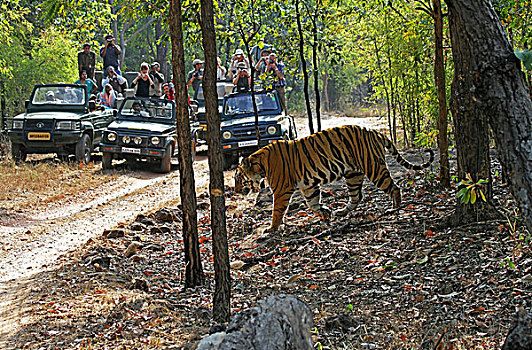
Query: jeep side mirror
115,113
92,105
26,104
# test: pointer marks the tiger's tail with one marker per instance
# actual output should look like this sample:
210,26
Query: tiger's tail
405,163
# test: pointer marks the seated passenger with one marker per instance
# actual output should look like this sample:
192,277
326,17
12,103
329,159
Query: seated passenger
138,110
243,79
107,97
84,80
50,96
118,82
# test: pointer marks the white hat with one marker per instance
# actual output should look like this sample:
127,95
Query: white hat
239,52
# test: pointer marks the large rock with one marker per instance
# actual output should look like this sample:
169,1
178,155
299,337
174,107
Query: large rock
279,322
520,334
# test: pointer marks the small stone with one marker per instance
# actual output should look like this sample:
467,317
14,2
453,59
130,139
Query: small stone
132,249
116,233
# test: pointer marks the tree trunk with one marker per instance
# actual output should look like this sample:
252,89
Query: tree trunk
439,78
304,69
315,66
193,270
161,49
222,288
491,72
325,79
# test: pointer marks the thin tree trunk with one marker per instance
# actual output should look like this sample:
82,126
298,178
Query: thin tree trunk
325,79
315,66
222,287
161,49
497,90
304,68
439,78
193,268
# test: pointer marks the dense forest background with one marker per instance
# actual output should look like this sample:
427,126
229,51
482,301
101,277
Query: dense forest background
360,54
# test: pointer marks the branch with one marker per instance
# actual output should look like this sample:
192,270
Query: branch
139,30
158,9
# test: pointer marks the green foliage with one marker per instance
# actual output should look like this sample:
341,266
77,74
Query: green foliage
526,57
471,191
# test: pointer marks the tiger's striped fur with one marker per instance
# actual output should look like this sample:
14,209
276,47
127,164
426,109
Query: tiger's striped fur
347,151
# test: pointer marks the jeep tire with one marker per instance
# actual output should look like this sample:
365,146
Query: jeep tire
83,149
107,160
166,161
18,152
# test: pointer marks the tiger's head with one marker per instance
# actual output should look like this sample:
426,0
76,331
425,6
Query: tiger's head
250,171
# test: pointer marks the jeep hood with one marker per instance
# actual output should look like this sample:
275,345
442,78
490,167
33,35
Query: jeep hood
251,120
49,115
137,126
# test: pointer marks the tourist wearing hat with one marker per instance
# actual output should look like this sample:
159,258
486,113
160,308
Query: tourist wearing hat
274,75
220,70
110,53
87,60
143,81
242,80
195,76
158,79
237,58
118,82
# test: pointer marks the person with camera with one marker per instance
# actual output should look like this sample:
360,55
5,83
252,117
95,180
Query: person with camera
274,74
238,58
118,82
158,79
243,79
143,82
87,60
110,54
195,76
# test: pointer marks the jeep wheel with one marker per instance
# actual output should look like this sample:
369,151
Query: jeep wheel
107,160
166,161
18,152
83,149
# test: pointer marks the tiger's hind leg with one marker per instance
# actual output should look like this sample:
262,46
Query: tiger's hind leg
313,198
280,203
381,177
354,182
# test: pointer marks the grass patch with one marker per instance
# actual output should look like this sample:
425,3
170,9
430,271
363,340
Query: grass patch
32,184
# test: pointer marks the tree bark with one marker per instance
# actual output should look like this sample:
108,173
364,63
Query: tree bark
194,270
315,65
222,287
489,85
304,68
439,79
161,49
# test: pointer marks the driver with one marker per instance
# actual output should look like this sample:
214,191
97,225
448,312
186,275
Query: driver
137,110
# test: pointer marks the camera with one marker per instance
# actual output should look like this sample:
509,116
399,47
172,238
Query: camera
271,61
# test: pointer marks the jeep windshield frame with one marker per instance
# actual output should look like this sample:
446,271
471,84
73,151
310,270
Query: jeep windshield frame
58,97
153,110
240,105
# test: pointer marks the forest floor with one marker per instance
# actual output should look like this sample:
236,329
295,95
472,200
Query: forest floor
379,278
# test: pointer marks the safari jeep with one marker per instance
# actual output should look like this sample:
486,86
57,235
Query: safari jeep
145,130
58,119
239,137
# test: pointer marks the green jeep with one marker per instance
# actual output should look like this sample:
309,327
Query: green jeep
59,119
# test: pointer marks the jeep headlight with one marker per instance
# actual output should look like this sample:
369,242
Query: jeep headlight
65,125
155,140
272,130
111,137
18,124
126,139
226,135
137,140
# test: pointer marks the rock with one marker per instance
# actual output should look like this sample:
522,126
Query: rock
160,229
132,249
137,226
342,322
520,333
203,315
141,284
116,233
203,205
102,262
217,328
166,215
154,247
144,220
279,322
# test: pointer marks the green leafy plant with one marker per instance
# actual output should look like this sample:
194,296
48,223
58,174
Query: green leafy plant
471,191
349,308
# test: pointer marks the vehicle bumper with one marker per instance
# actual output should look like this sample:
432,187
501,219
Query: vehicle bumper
245,147
57,141
123,152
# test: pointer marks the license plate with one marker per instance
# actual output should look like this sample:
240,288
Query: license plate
38,136
248,143
131,150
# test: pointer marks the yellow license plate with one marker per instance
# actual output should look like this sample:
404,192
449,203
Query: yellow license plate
38,136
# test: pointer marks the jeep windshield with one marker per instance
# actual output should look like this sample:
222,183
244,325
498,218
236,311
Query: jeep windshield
241,104
59,95
155,110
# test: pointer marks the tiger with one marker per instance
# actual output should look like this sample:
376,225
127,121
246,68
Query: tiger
351,152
